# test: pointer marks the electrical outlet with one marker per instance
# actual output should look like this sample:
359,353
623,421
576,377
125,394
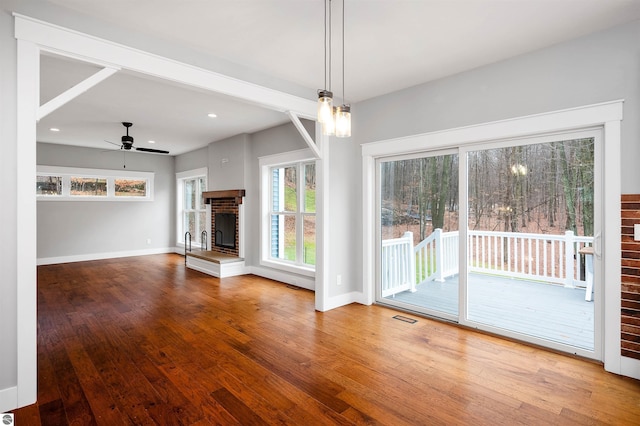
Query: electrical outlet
339,280
148,241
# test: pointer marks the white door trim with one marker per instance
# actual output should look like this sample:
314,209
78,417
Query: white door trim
607,115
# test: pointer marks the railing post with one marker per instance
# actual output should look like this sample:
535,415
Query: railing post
569,263
412,260
439,272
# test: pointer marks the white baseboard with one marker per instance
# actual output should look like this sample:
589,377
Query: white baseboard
344,299
100,256
8,399
630,367
284,277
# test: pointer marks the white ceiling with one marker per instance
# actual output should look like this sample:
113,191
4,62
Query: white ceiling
389,45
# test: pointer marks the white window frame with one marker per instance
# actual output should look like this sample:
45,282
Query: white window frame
181,177
66,173
266,164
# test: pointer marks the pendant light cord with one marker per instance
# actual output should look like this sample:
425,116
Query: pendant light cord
329,87
325,43
344,100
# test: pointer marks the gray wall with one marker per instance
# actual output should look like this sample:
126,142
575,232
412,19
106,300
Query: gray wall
8,212
77,228
597,68
192,160
227,163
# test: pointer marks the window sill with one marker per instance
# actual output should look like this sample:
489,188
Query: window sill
288,267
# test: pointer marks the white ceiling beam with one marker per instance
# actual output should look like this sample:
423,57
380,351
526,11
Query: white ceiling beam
75,91
56,39
305,135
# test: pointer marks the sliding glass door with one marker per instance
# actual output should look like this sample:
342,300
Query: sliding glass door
419,233
499,236
530,234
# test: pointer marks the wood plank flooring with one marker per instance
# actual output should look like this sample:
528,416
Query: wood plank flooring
142,340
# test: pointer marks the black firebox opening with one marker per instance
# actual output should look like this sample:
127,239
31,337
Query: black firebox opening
225,232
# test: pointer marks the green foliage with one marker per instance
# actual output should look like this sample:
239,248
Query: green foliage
291,202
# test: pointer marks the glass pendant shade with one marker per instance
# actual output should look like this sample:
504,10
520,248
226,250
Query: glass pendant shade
343,121
325,106
329,128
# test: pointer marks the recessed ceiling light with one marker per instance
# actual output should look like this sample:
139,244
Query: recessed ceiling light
152,141
54,129
212,115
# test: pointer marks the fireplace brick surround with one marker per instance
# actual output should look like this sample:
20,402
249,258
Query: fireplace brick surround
225,202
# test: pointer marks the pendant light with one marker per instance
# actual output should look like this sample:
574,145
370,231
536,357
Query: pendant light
343,112
343,121
325,96
329,128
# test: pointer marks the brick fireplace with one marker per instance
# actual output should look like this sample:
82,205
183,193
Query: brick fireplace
223,204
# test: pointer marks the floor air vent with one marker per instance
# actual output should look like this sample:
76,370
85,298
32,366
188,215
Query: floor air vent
405,319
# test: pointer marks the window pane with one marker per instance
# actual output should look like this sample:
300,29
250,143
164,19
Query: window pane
284,183
310,188
309,231
130,187
290,237
189,194
48,185
202,219
190,225
89,186
202,183
283,237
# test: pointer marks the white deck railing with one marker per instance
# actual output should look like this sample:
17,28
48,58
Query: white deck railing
541,257
398,260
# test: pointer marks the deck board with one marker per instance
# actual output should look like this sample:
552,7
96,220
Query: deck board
532,308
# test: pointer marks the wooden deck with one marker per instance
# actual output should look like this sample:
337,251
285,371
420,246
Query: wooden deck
532,308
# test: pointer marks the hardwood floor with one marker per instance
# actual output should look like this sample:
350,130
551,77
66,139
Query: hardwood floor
145,341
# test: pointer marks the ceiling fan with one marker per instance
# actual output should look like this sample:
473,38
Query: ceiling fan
127,142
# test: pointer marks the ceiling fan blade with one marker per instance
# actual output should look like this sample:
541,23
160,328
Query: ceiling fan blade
157,151
113,143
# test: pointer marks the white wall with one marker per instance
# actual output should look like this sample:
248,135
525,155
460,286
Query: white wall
78,230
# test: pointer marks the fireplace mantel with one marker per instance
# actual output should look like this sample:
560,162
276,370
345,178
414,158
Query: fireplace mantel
235,194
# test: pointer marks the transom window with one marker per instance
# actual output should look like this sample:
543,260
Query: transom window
69,184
